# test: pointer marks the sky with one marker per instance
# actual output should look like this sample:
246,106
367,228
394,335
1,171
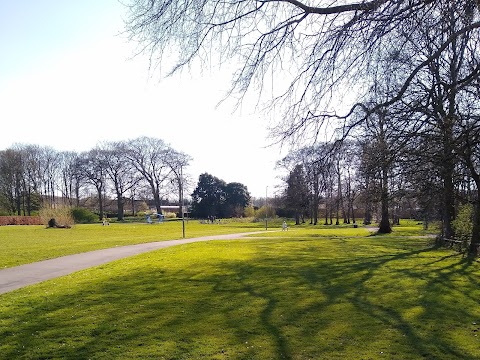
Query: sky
68,80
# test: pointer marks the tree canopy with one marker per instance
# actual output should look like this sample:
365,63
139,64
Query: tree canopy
213,197
329,53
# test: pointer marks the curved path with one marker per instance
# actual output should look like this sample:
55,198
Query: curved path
29,274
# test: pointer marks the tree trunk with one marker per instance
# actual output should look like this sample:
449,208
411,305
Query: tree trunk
331,213
18,199
156,198
100,202
77,194
475,241
339,196
353,213
120,207
29,201
475,238
316,194
337,219
384,227
367,218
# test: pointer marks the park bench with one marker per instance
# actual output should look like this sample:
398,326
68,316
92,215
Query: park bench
451,242
458,245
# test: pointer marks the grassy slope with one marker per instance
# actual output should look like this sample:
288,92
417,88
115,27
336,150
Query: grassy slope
304,294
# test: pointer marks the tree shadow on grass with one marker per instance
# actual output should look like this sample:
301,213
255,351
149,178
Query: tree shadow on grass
290,305
353,281
360,291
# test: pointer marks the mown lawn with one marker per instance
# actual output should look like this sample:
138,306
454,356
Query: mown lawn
25,244
301,294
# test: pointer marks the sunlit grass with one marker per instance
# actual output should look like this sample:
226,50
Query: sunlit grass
25,244
305,297
319,231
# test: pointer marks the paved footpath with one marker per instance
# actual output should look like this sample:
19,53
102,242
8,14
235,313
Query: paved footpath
29,274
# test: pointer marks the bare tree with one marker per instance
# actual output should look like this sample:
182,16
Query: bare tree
92,166
151,158
322,168
70,177
321,49
381,161
29,157
11,174
437,100
178,161
120,171
48,167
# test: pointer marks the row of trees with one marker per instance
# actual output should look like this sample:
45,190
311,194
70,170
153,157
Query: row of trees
343,182
401,78
145,168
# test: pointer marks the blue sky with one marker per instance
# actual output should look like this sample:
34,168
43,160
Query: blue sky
68,80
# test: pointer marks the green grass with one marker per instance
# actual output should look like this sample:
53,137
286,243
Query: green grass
25,244
301,294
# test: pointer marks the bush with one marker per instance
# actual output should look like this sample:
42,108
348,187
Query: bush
268,211
170,215
83,216
60,217
463,224
249,212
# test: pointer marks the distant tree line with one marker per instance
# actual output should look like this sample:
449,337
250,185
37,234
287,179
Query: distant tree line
144,168
32,176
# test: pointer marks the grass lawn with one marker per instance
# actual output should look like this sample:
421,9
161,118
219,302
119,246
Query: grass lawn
26,244
303,294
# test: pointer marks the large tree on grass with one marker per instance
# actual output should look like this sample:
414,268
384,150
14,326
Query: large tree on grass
215,197
208,198
297,194
92,166
149,157
121,172
237,198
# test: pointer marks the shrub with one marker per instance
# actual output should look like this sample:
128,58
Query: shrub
249,211
268,211
463,224
83,216
170,215
57,217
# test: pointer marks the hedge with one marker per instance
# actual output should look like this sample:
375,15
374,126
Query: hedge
20,220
